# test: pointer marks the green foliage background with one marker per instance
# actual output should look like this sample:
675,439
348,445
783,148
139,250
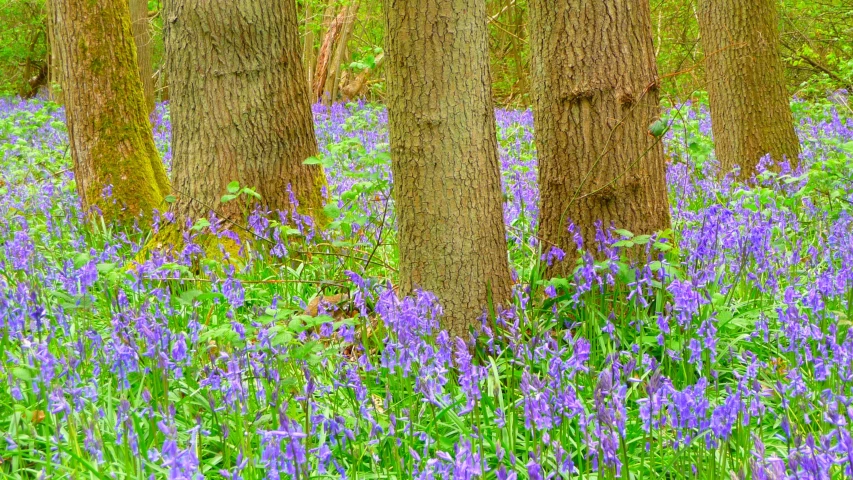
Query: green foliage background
23,43
817,44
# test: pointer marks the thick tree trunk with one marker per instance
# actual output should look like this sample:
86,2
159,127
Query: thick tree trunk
595,95
447,186
111,139
142,39
239,106
750,109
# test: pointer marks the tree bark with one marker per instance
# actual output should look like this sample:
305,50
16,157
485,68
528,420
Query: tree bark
142,38
108,128
54,68
447,187
595,94
239,106
35,71
308,45
750,110
325,55
341,52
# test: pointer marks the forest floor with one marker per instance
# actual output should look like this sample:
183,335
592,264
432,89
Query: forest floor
727,352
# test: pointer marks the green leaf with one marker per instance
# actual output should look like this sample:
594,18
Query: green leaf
234,187
187,297
81,259
22,373
227,197
663,247
331,210
170,199
642,239
106,267
658,128
312,161
200,223
252,193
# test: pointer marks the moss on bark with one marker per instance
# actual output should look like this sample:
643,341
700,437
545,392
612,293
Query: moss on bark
111,139
170,238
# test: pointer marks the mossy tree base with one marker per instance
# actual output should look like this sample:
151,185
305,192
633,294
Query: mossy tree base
116,164
170,239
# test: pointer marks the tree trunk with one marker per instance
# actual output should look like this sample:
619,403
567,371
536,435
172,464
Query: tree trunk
750,112
308,45
325,55
54,69
341,51
595,94
142,39
239,106
447,186
111,139
357,87
35,71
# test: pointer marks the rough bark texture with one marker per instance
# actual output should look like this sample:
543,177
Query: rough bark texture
595,94
239,106
750,109
308,46
142,38
111,139
444,155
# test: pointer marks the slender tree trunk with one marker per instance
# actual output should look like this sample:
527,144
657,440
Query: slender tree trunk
341,51
595,95
35,72
520,87
308,45
111,139
54,69
239,106
444,155
357,87
750,109
326,54
161,90
142,39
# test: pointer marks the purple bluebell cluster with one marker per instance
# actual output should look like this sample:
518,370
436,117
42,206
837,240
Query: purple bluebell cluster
725,353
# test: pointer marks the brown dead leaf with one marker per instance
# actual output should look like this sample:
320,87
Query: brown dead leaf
313,308
38,416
